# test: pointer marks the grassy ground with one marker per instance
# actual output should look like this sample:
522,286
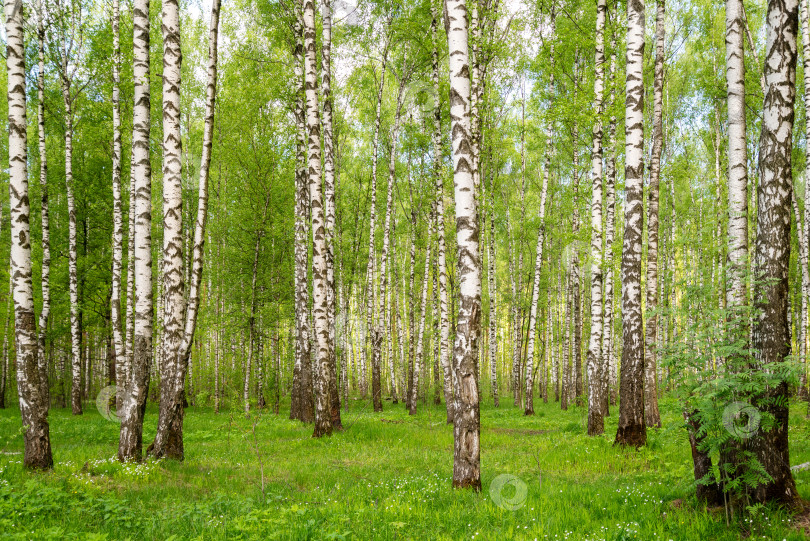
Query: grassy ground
386,477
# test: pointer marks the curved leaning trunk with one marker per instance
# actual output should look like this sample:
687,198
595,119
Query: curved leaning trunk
169,443
131,436
538,257
33,412
538,265
180,318
466,420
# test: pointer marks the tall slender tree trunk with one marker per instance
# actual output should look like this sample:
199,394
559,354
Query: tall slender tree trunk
4,358
173,364
119,352
329,201
131,437
420,343
33,410
323,326
771,333
466,420
380,324
804,228
302,406
73,273
493,306
411,309
371,270
596,422
651,415
736,293
198,246
444,303
169,438
608,361
632,430
565,393
44,314
737,155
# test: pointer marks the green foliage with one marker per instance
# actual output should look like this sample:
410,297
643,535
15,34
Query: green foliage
718,380
373,481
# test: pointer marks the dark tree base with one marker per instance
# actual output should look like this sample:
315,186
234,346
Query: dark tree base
596,425
322,429
472,484
38,447
631,436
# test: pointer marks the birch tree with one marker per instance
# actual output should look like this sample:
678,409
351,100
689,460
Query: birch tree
302,404
169,438
371,284
737,155
33,410
44,315
444,303
329,201
322,323
119,351
174,304
608,360
466,421
420,341
632,430
771,332
596,423
651,415
131,436
384,270
70,42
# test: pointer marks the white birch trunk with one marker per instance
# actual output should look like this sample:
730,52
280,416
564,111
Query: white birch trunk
322,324
596,422
44,315
33,411
466,422
651,414
632,429
131,437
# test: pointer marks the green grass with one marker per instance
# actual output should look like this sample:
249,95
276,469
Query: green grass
383,480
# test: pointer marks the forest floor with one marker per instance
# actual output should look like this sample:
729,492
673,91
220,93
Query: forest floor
387,476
